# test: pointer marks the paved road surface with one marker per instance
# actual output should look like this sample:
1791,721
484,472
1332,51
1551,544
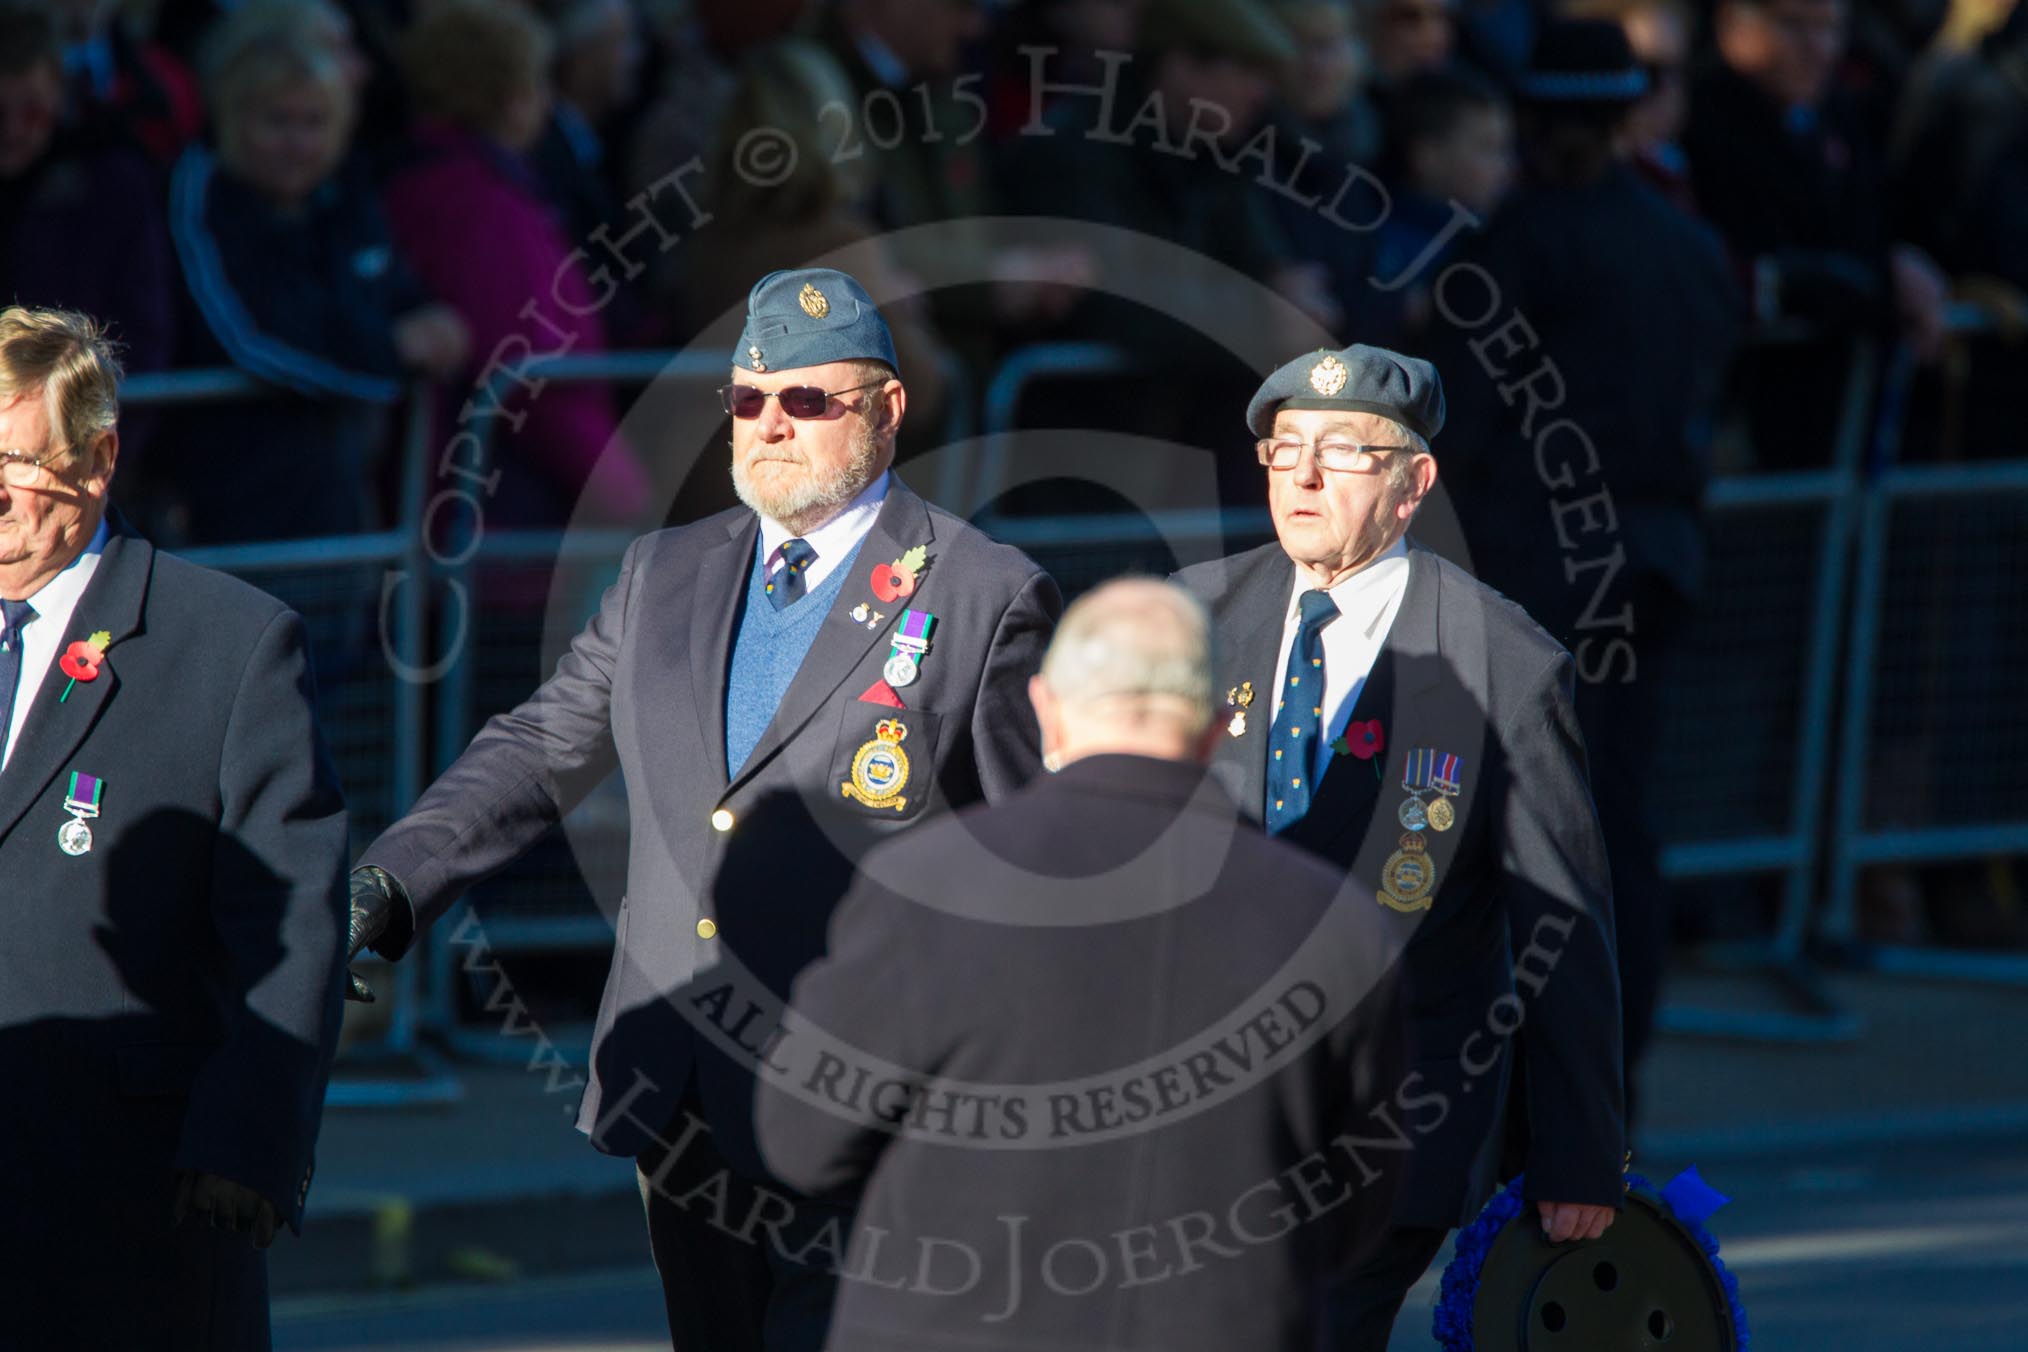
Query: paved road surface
1881,1250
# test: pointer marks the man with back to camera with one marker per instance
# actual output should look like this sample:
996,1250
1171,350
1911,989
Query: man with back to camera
1170,1032
828,664
172,863
1400,719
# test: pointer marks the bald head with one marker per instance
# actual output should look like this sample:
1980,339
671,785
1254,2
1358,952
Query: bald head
1129,673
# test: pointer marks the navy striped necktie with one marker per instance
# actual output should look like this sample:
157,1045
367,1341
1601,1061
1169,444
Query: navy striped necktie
14,615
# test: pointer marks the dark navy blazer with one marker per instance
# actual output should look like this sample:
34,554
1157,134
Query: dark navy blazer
169,998
1522,910
733,878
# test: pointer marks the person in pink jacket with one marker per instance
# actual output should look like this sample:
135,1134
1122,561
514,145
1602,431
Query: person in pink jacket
468,214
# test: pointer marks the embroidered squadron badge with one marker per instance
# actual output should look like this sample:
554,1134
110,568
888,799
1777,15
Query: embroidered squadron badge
813,302
880,768
1408,878
1328,376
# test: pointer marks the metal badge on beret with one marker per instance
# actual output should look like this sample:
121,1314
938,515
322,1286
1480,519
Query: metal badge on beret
809,316
1359,379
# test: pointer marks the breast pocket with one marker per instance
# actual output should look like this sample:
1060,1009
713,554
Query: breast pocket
884,765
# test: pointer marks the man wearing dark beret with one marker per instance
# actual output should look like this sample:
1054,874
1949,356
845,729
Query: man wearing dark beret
781,685
1411,725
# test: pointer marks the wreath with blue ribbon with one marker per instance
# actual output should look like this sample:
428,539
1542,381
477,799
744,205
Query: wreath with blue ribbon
1687,1196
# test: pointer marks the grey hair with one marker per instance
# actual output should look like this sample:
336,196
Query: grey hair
66,357
1135,639
1398,466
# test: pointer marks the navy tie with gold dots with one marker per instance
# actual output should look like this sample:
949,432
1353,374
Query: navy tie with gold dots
788,584
1300,720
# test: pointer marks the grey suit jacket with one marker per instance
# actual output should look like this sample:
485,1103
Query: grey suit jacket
731,879
1517,942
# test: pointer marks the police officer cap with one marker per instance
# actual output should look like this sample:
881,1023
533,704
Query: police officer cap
808,316
1360,379
1243,30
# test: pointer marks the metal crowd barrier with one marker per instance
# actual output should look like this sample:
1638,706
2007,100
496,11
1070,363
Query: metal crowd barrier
1793,849
1803,822
1924,681
1957,718
381,765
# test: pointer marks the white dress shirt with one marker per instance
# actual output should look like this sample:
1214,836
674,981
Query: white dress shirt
834,541
1367,602
42,636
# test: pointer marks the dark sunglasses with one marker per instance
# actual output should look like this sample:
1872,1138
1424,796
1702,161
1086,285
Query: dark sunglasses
798,401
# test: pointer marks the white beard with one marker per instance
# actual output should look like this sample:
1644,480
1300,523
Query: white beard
814,498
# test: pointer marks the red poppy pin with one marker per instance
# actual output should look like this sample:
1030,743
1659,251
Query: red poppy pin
81,661
1364,740
892,581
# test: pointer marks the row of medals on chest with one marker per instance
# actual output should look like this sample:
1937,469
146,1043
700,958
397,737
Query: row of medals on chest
1408,878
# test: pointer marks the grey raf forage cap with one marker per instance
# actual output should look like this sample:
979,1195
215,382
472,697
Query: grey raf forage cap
1360,379
808,316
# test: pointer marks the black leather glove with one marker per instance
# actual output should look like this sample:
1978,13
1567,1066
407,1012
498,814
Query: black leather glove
375,894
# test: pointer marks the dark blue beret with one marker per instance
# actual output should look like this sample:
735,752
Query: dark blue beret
808,316
1360,379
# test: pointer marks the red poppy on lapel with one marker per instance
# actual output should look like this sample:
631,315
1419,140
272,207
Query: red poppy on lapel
892,581
82,659
1364,740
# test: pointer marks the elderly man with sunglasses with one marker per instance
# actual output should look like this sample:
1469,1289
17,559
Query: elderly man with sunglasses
781,685
1405,722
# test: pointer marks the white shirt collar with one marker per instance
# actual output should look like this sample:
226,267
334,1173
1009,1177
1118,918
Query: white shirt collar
834,539
1368,590
55,601
61,593
1368,602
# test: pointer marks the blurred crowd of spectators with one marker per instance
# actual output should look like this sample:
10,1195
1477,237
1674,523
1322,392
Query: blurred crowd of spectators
337,196
1585,211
